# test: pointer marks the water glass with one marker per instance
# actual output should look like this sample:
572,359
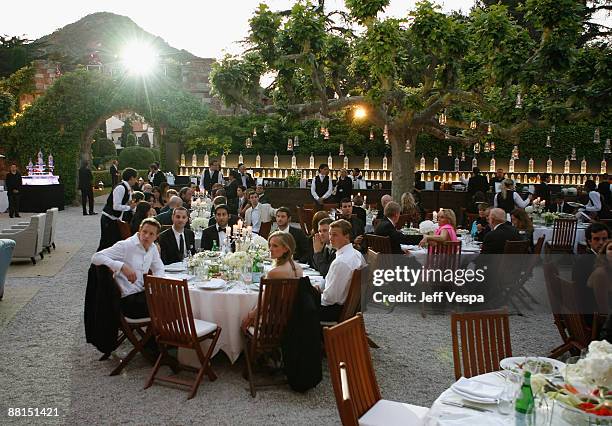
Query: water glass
512,386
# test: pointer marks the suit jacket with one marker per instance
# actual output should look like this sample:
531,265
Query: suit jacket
231,191
386,229
250,182
158,178
233,220
542,190
114,172
169,250
266,214
85,178
302,249
478,183
209,235
165,218
101,309
322,259
357,227
495,240
360,212
344,188
263,199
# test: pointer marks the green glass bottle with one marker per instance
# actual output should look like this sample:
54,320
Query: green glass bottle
215,247
256,271
524,408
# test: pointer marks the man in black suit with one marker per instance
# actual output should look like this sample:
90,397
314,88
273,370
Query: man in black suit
177,242
186,194
560,206
323,254
384,200
114,172
218,201
302,248
498,178
477,182
158,175
542,190
245,179
86,187
359,211
386,227
501,231
165,218
358,227
217,232
263,198
13,187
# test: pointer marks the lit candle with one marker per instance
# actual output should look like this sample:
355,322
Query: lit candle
249,229
365,198
227,230
435,216
239,223
234,229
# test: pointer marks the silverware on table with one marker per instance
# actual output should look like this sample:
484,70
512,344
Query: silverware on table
468,406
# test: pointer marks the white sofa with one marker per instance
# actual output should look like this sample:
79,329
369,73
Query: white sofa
28,237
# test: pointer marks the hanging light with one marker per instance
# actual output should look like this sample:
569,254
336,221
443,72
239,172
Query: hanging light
519,101
315,133
296,141
548,142
596,135
447,133
477,148
442,118
492,146
553,128
473,125
341,149
486,146
289,145
450,151
515,152
386,134
607,149
489,129
265,128
248,143
462,155
573,157
371,134
254,131
407,149
326,134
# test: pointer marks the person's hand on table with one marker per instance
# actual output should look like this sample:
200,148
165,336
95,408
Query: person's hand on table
129,273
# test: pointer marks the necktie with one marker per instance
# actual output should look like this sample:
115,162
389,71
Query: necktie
181,246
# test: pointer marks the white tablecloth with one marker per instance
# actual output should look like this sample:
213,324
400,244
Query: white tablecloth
468,253
446,415
3,201
538,231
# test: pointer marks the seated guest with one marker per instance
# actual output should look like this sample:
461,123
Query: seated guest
218,201
357,226
447,224
501,231
177,242
247,202
560,206
130,260
338,278
218,231
258,213
410,208
242,200
137,196
386,228
282,248
143,211
158,202
358,210
214,188
263,198
481,227
186,194
316,218
522,223
163,188
301,253
600,280
170,193
597,235
384,200
147,188
323,254
165,218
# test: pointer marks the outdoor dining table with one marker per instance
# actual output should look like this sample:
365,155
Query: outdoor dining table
547,231
442,414
469,252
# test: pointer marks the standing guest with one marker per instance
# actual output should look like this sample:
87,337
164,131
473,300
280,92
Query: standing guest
481,227
384,200
260,190
542,190
217,232
498,178
323,254
142,212
86,187
593,206
477,182
186,195
158,176
344,186
258,213
524,226
231,191
157,202
409,207
301,252
117,204
131,259
13,187
321,186
358,210
604,189
478,198
447,222
560,206
600,280
316,218
245,179
165,217
177,242
386,228
357,226
501,231
114,172
508,199
339,276
242,199
358,181
210,176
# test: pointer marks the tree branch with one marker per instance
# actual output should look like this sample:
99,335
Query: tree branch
310,108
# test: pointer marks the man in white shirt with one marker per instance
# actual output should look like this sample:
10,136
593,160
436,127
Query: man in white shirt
130,260
258,213
321,186
340,274
211,176
118,202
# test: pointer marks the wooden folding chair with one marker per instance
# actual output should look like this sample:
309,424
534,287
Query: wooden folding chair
274,308
553,289
174,325
441,256
564,236
516,247
378,243
124,229
305,216
355,386
515,255
480,341
264,229
353,298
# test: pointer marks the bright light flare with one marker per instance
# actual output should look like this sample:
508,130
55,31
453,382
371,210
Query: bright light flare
360,113
139,58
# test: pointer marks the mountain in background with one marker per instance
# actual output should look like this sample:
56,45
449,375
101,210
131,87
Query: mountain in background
104,34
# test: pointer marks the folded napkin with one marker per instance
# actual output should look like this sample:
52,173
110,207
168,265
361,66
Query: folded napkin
475,388
216,281
460,417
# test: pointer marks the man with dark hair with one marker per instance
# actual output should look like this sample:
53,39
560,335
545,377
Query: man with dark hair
240,191
260,191
560,206
219,231
245,179
597,234
542,190
217,201
283,220
321,186
86,187
232,191
210,176
323,254
13,187
157,175
114,172
258,213
177,242
358,227
186,193
357,209
386,228
118,202
477,182
498,178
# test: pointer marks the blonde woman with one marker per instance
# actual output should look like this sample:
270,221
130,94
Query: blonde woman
282,247
447,222
508,199
410,208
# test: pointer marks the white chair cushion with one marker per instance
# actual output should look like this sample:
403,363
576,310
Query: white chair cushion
137,320
204,327
391,413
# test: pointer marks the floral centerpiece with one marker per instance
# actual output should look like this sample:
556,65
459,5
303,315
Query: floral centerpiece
293,179
549,217
199,223
201,258
238,260
427,227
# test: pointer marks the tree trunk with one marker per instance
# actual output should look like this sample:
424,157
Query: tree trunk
403,162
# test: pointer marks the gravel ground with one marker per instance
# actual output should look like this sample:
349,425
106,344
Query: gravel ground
45,362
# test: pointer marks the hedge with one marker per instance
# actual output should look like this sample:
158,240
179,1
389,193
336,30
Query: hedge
137,157
105,177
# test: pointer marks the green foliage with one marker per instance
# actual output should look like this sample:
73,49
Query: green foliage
144,140
156,154
103,147
131,140
364,10
136,157
16,53
19,83
105,177
7,106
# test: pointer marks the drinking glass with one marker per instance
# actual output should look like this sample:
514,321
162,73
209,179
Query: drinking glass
512,386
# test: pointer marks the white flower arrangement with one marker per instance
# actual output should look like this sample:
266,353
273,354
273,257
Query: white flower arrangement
529,209
199,213
259,241
596,367
238,260
199,223
427,227
197,259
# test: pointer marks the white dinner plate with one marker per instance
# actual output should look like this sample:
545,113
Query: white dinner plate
174,268
211,285
516,364
576,205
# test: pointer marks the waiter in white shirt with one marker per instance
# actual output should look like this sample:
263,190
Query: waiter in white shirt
211,176
340,274
118,202
130,260
321,186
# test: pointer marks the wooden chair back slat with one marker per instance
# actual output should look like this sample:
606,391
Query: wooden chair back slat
564,234
274,307
124,229
537,249
353,298
444,255
345,406
347,343
516,247
480,341
378,243
264,229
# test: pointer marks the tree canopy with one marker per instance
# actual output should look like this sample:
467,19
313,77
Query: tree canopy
493,73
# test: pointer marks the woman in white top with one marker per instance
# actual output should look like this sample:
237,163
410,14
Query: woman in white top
508,199
593,207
